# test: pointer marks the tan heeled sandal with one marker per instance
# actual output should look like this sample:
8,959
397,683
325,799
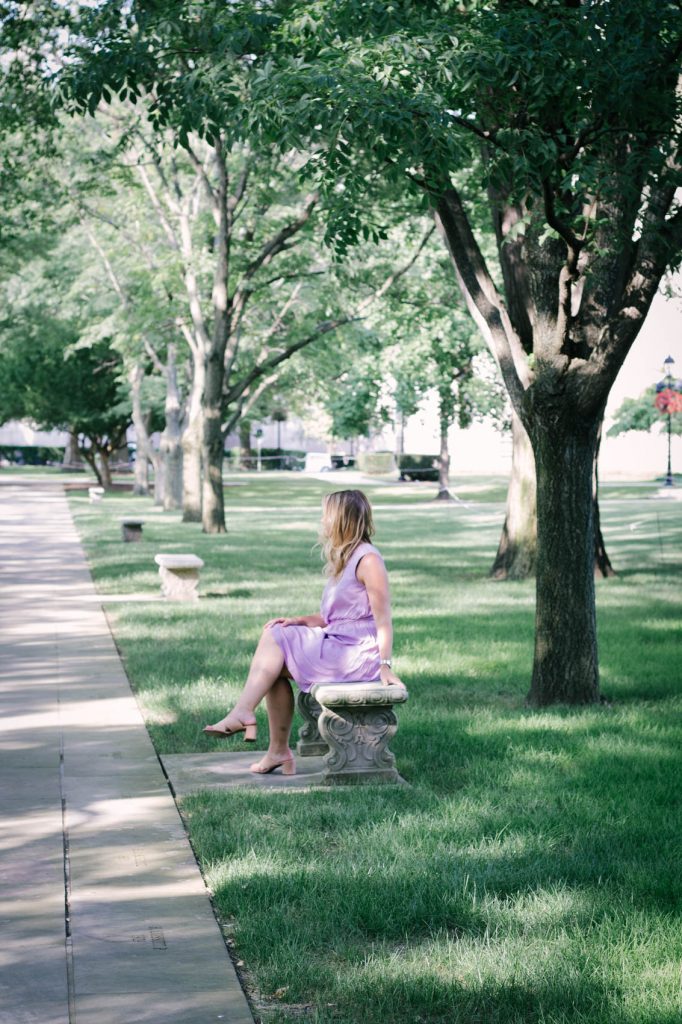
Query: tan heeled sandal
287,764
234,727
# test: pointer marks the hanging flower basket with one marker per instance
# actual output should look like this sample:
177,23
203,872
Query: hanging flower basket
668,398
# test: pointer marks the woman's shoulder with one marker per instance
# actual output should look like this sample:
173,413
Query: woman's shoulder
365,548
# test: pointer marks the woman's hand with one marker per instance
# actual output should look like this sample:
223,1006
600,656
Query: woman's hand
300,620
389,678
283,622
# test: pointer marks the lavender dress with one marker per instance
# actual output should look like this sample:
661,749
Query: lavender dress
346,649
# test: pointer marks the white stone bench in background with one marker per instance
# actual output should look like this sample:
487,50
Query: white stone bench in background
355,722
95,494
131,529
179,576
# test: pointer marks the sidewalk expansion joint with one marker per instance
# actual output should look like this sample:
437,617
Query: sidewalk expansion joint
66,847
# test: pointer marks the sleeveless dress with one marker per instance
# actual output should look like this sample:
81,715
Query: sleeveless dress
346,649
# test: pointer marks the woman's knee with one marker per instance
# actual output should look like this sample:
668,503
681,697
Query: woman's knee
267,641
266,635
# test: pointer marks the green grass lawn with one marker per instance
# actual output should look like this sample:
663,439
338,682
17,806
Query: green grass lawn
530,874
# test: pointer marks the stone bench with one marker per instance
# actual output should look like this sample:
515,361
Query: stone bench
131,529
95,494
179,576
351,724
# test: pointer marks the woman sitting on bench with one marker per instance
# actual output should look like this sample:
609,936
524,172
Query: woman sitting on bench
349,641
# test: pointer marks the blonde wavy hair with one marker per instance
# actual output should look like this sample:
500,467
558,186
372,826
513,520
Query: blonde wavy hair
346,522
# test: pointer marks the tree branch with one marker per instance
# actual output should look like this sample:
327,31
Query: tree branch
325,327
482,298
238,194
574,243
286,277
396,275
277,243
247,401
158,207
276,358
152,353
188,336
510,253
243,292
204,178
202,340
113,277
659,247
134,242
220,291
482,133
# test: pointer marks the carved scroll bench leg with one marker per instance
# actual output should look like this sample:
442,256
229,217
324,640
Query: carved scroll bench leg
310,743
357,721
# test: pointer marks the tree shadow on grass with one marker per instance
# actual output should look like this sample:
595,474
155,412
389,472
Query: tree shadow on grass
235,592
557,835
503,809
430,996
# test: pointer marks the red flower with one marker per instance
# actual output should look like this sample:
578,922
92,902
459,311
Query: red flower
668,401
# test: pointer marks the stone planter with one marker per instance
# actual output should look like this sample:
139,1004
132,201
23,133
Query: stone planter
131,530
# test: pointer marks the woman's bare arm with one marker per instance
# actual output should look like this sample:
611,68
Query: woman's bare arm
372,572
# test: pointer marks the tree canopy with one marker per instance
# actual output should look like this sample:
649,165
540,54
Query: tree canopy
557,120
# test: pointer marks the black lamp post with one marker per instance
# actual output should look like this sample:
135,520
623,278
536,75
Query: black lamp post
669,381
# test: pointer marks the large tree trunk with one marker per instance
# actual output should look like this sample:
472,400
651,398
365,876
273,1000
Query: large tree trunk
159,479
602,563
141,424
141,473
90,457
566,662
603,568
191,448
517,551
171,438
401,433
172,494
145,454
72,455
213,511
444,462
516,554
191,472
245,452
104,474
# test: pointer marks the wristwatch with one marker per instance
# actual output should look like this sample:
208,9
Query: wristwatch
385,661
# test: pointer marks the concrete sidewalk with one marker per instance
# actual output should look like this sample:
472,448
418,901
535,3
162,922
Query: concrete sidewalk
104,916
